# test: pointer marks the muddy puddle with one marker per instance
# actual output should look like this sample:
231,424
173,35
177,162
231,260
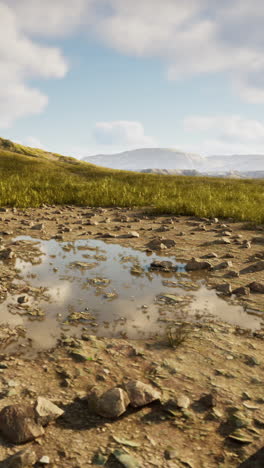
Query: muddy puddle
107,290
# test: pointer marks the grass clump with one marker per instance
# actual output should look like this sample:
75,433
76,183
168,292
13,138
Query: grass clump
30,177
178,333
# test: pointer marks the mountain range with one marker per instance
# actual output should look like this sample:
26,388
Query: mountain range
164,160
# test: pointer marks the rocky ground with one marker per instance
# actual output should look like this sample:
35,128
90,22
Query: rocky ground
204,400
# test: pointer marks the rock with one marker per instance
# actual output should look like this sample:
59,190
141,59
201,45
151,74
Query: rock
45,460
222,240
129,235
156,244
258,240
112,403
22,299
223,265
232,274
195,265
169,243
38,227
22,459
224,288
183,402
258,266
162,266
241,291
123,459
246,245
18,424
140,394
6,254
170,453
46,411
211,255
256,287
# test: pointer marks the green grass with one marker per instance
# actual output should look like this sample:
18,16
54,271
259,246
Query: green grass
32,177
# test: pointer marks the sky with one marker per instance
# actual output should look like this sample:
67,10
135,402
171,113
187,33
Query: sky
83,77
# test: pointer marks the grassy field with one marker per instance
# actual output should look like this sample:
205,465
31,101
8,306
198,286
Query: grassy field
31,177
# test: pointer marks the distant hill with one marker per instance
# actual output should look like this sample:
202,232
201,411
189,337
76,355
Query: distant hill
164,159
144,158
189,172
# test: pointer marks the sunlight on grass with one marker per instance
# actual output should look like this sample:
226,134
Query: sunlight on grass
32,177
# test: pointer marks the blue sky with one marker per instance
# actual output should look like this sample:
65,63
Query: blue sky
88,77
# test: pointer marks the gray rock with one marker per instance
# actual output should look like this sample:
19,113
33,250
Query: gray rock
112,403
256,287
45,460
18,424
46,411
195,265
140,394
22,459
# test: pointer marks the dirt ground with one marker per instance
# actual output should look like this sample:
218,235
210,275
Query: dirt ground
218,367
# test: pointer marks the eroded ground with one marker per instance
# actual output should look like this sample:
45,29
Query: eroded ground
218,367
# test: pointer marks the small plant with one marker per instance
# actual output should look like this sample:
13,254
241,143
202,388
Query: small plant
178,333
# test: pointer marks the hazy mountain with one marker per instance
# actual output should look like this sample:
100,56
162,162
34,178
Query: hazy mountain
169,159
139,159
228,174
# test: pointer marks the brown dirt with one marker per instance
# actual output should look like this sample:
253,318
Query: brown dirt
215,359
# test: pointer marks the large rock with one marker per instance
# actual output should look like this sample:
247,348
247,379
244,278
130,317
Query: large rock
140,394
256,287
196,265
18,424
22,459
46,411
112,403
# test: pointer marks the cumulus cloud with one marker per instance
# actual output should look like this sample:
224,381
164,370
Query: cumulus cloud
226,134
191,38
22,59
122,132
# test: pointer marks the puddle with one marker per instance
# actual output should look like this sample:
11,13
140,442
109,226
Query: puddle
109,291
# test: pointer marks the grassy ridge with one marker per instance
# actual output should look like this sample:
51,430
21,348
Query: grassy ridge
30,177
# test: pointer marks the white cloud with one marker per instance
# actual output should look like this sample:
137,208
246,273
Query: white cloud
227,134
191,38
22,59
126,133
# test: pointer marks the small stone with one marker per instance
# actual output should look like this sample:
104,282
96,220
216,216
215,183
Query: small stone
241,291
38,227
232,274
124,459
45,460
140,394
256,287
195,265
46,411
183,402
112,403
170,453
22,459
224,288
223,265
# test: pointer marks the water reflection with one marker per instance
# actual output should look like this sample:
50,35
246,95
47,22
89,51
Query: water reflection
120,303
